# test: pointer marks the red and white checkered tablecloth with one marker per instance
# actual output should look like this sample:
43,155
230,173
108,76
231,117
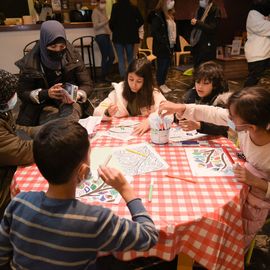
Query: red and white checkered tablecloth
202,220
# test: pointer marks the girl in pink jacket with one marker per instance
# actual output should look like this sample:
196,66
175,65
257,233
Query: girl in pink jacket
134,96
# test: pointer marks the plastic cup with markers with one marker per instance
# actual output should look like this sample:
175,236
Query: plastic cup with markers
159,136
160,128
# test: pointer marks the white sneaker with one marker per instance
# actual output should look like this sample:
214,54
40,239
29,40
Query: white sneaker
165,89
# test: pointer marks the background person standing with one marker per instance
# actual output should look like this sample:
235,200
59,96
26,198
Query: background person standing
161,43
257,47
202,39
103,38
125,22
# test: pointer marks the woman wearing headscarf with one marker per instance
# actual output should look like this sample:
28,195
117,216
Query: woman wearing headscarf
43,73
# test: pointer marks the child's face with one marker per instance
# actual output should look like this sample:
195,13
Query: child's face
135,82
239,123
204,88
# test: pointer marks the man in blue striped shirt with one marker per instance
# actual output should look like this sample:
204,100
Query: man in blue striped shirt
53,230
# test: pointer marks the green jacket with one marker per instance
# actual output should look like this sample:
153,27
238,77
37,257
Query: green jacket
14,151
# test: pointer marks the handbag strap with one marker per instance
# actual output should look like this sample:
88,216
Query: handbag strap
205,14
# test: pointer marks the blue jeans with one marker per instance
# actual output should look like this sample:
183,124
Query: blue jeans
121,56
107,53
163,65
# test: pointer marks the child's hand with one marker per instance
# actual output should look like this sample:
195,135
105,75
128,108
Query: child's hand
141,128
189,125
112,109
116,179
167,107
243,175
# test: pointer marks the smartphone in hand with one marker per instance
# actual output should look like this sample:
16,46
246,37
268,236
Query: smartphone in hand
70,92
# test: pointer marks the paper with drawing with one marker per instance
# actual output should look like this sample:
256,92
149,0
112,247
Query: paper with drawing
177,134
209,162
131,160
139,159
94,187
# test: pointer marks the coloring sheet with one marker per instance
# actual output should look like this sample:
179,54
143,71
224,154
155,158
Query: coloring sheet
209,162
139,159
97,190
119,132
128,123
94,188
99,155
177,134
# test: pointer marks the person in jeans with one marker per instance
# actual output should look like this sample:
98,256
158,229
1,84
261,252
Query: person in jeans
125,22
161,42
103,32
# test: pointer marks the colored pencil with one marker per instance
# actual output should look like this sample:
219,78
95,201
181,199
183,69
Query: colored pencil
225,150
150,194
107,160
136,152
181,178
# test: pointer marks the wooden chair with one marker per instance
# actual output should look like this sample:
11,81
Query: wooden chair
148,52
29,46
178,54
87,42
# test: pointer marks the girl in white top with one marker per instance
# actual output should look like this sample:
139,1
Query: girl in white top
134,96
249,114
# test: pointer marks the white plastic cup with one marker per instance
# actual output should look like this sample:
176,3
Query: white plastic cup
159,136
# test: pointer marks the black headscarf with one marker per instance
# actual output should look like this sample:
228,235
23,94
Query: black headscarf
49,32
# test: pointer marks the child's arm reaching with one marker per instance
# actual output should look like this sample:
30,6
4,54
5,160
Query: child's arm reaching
168,107
245,176
211,114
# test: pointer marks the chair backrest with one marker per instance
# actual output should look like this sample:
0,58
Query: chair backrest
29,46
83,41
149,43
183,43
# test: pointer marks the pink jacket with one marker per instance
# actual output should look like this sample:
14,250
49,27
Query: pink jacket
116,97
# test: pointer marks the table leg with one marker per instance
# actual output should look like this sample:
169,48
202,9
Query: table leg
184,262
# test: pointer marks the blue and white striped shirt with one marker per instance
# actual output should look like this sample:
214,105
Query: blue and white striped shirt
42,233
